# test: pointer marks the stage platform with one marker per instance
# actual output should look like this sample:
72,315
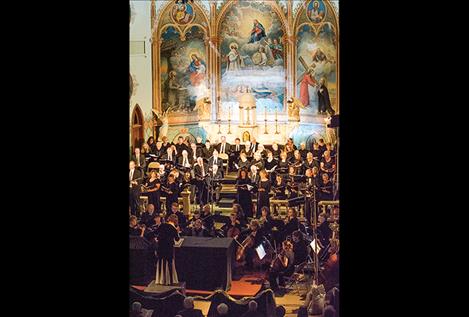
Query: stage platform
249,285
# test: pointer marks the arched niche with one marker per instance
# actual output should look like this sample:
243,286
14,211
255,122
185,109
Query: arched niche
179,46
316,31
137,124
267,78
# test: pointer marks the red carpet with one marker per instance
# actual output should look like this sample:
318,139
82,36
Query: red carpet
248,285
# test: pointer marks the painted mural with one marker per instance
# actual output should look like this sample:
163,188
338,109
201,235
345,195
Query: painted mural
316,62
183,70
252,57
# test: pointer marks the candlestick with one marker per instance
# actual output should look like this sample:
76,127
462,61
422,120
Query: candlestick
229,121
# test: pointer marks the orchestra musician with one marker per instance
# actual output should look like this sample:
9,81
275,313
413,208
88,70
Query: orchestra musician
134,228
135,179
263,192
165,267
232,228
240,216
207,218
197,230
266,221
300,247
253,239
182,219
282,266
152,187
148,215
244,197
323,231
201,181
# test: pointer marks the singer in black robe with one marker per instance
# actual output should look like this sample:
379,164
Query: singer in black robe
244,194
263,195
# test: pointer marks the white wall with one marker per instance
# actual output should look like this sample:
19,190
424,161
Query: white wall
140,65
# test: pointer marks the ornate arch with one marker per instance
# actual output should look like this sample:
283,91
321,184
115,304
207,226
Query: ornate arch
163,21
300,20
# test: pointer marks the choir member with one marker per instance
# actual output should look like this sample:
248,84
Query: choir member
135,179
283,164
139,160
328,164
310,162
243,161
303,150
223,147
276,150
153,192
257,161
171,191
159,150
263,192
201,181
326,188
180,146
235,151
243,192
214,178
207,150
254,176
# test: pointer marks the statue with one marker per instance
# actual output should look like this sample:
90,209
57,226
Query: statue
202,106
294,106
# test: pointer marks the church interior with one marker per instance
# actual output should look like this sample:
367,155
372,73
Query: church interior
234,158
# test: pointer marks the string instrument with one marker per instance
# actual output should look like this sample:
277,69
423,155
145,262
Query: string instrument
233,231
277,263
241,251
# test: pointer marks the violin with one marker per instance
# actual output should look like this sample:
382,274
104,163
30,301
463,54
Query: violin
277,263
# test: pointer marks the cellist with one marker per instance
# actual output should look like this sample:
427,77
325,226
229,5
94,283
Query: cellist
253,238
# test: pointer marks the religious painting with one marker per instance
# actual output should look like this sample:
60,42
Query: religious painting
183,71
316,69
316,11
252,57
183,13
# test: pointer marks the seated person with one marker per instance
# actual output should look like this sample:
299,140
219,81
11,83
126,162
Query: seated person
148,215
197,230
282,266
232,228
252,310
189,310
134,228
182,220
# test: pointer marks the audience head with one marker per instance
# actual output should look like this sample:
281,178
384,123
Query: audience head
173,219
222,309
188,303
297,236
252,305
329,311
136,307
150,208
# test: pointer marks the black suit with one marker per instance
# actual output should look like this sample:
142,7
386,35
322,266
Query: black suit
207,153
227,148
142,161
201,183
134,192
234,155
219,163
